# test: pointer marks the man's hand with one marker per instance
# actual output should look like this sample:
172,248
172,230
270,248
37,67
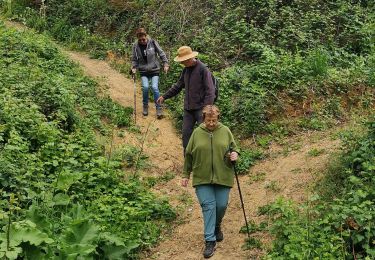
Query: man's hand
160,100
184,182
166,68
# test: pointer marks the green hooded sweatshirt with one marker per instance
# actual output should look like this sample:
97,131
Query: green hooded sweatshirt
206,156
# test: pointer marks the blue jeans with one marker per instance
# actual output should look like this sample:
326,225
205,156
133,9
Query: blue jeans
213,199
154,86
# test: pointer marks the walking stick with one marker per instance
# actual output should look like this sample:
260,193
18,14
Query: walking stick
239,190
135,102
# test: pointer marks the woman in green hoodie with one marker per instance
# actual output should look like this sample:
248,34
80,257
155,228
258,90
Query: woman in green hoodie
209,156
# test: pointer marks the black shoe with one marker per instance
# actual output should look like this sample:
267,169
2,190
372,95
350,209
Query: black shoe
209,249
159,113
219,234
145,110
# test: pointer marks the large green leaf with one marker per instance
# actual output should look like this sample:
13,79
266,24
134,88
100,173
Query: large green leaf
11,253
25,231
79,239
67,179
81,232
115,252
61,199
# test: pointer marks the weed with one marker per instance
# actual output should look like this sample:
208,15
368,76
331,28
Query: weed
273,186
253,227
264,141
247,159
185,198
251,243
151,181
316,152
257,177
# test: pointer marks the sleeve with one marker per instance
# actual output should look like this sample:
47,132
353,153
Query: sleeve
161,53
188,163
210,88
232,143
134,58
231,146
176,88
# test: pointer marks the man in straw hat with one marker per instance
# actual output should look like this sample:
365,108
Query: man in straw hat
199,90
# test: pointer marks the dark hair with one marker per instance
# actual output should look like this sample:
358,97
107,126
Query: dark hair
140,32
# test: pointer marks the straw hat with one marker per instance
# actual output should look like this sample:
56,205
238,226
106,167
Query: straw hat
185,53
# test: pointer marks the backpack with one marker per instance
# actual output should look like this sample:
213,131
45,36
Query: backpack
214,80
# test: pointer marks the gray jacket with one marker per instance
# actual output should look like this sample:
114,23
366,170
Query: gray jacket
152,65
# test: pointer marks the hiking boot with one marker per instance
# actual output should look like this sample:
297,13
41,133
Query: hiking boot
159,113
145,110
219,234
209,249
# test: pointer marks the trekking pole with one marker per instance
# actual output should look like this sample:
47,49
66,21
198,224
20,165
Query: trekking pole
135,102
239,190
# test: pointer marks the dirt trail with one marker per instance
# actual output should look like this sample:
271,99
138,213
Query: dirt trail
285,172
287,175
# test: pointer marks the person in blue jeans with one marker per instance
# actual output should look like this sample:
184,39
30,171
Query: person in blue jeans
209,156
145,58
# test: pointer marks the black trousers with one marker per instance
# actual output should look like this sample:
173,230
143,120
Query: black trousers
191,117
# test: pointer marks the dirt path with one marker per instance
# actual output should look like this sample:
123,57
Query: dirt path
287,172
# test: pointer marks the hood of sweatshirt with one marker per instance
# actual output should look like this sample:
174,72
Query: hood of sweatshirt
203,126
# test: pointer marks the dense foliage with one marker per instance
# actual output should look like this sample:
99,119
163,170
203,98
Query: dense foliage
341,227
272,56
277,60
60,196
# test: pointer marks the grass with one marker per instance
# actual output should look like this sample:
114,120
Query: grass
315,152
257,177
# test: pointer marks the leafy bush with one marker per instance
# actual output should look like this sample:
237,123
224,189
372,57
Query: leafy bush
60,196
272,56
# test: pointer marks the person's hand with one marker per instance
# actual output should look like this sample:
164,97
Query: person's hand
134,70
166,68
184,182
233,156
160,100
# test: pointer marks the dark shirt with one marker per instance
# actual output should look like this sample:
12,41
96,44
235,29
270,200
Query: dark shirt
143,51
199,87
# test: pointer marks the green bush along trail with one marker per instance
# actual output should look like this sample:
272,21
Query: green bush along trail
61,197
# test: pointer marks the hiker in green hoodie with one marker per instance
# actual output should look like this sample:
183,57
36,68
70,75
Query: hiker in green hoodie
209,156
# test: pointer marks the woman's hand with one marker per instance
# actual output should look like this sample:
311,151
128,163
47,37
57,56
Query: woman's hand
184,182
166,68
233,156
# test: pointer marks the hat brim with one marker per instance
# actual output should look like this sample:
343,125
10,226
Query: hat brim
186,57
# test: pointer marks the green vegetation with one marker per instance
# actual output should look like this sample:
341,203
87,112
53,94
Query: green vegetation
339,222
314,61
284,66
60,197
